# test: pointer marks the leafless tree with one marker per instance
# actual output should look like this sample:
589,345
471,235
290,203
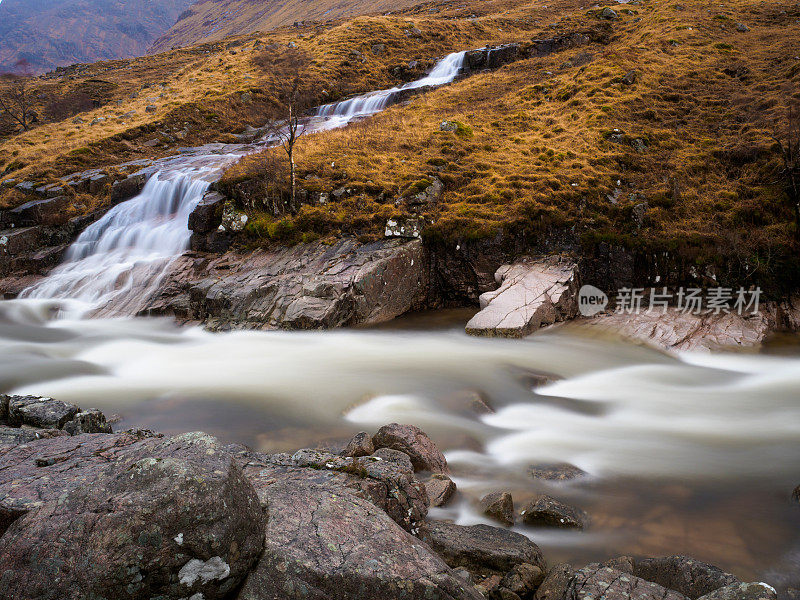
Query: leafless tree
16,98
790,152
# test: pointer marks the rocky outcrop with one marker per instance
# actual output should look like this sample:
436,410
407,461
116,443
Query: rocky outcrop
690,577
305,287
326,541
28,418
675,330
125,515
532,293
597,581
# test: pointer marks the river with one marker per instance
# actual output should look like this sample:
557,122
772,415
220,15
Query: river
694,453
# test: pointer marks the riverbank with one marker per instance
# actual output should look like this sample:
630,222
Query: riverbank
189,515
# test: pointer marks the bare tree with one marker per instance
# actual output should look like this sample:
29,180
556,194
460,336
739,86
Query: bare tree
287,66
16,99
790,152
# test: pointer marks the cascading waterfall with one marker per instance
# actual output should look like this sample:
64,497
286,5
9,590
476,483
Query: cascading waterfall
119,261
122,257
445,71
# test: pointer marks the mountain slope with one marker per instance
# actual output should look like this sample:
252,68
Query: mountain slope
212,20
52,33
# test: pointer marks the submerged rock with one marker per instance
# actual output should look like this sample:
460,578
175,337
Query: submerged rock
545,511
531,294
555,472
499,506
684,574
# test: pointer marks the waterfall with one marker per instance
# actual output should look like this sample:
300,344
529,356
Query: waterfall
445,71
119,262
123,256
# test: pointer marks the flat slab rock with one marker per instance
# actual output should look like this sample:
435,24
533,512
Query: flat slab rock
532,293
674,330
325,541
309,286
125,516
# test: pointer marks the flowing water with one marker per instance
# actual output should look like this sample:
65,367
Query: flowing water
694,454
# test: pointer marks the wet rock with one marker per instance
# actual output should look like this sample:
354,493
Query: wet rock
743,591
523,579
414,442
686,575
401,459
492,58
596,581
556,585
545,511
440,489
532,293
308,286
327,542
555,472
482,549
207,215
128,187
499,506
359,445
125,516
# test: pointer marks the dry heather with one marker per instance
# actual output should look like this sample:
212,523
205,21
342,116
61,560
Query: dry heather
681,160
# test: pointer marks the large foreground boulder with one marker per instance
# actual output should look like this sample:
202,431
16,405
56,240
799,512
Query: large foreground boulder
532,293
110,516
326,541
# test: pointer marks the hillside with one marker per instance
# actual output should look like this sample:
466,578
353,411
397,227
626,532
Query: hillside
53,33
652,133
213,20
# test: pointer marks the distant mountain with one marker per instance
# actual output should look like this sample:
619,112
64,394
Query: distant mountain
51,33
212,20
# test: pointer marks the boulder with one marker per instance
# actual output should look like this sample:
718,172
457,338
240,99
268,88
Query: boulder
440,489
326,541
125,516
683,574
19,240
207,215
359,445
430,194
743,591
597,581
544,511
401,459
482,549
498,506
556,584
523,579
414,442
532,293
403,228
